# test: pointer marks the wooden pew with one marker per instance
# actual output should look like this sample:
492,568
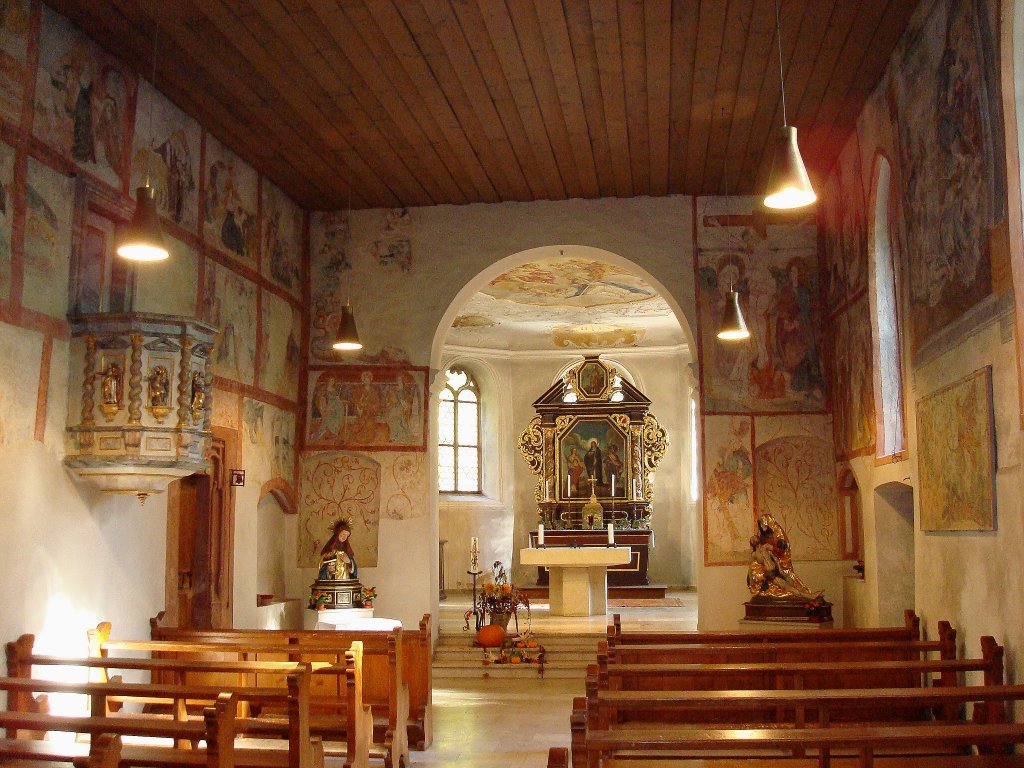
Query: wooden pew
767,743
217,729
910,631
382,686
350,722
416,650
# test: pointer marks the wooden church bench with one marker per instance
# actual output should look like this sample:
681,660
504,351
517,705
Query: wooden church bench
382,686
416,663
761,747
881,761
217,730
350,720
910,631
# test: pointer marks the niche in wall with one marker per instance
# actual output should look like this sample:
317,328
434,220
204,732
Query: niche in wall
894,532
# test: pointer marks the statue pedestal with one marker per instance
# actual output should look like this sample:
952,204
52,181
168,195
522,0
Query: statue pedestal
786,610
346,619
341,593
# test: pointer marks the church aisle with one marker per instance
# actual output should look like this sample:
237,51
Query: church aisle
503,721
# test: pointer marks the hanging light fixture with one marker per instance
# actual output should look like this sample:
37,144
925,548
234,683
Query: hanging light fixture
733,327
347,339
143,239
788,183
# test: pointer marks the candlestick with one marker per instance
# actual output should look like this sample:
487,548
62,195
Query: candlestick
611,533
540,535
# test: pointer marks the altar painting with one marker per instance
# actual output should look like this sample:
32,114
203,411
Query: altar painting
368,407
728,489
593,448
956,450
83,100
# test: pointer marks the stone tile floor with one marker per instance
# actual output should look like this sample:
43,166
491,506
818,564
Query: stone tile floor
511,723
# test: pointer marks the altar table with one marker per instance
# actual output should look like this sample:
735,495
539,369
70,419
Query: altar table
579,576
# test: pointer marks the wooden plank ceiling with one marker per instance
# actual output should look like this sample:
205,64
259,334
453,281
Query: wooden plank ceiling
419,102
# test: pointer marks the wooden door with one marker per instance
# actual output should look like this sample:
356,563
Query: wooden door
200,541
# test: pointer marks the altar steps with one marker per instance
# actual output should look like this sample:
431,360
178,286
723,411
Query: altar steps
566,656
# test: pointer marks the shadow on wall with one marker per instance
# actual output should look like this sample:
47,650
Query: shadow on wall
894,529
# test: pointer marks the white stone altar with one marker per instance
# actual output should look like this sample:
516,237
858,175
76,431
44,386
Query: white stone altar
579,576
347,619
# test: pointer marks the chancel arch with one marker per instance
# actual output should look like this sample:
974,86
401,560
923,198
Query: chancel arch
527,321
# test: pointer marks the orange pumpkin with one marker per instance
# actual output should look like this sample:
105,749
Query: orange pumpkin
490,636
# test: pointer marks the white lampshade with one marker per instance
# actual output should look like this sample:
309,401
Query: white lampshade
733,327
788,183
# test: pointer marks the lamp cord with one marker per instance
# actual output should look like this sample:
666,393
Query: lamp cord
782,79
152,100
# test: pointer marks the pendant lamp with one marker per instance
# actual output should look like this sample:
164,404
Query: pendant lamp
347,339
733,327
143,239
788,183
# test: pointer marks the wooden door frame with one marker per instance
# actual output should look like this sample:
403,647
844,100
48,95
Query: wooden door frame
222,542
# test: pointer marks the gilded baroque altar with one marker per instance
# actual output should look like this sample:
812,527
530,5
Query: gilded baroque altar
594,446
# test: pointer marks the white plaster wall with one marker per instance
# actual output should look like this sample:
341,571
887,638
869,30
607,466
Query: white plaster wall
271,560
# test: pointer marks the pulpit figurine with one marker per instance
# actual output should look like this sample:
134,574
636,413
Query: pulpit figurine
337,583
778,594
159,392
110,390
198,401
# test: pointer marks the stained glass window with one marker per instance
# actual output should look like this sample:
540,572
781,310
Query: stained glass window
458,452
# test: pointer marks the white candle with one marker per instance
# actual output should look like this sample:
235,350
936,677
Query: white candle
540,535
568,485
613,485
611,533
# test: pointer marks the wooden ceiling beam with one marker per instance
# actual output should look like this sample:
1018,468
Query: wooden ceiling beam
295,47
410,58
604,16
632,39
705,80
736,47
685,25
456,68
584,52
658,56
372,60
570,140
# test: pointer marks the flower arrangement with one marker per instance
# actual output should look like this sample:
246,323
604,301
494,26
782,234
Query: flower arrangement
368,595
498,597
817,608
524,650
318,600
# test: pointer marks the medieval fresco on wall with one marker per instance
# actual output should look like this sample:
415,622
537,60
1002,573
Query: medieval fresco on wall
229,210
779,368
268,448
339,485
794,474
225,409
946,102
728,488
49,202
166,153
403,484
367,408
6,217
330,258
844,235
230,303
282,239
14,34
393,246
280,345
84,98
956,455
853,384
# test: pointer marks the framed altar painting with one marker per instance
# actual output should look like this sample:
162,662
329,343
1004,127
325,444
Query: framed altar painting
956,451
593,378
595,447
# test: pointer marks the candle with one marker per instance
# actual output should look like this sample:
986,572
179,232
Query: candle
613,485
611,533
540,535
474,554
568,485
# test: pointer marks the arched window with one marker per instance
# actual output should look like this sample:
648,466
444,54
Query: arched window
889,379
458,451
